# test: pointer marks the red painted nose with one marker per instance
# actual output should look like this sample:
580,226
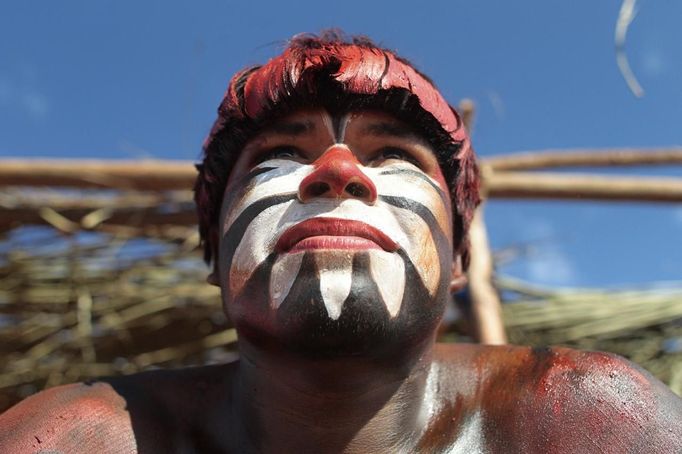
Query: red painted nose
337,175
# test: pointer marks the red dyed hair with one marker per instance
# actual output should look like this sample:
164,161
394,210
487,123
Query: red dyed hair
339,75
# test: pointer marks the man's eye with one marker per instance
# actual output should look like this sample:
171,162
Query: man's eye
388,153
280,152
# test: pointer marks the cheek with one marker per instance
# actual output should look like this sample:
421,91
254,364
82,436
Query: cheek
272,178
254,247
440,179
251,216
427,260
407,183
421,246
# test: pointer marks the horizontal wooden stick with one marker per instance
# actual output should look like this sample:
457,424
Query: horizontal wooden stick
533,185
584,158
164,174
176,175
142,174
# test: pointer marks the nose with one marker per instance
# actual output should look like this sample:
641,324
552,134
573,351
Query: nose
336,175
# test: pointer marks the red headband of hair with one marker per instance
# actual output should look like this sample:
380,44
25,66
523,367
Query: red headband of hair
359,69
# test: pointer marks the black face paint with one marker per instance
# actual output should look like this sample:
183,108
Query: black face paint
236,231
243,184
421,176
302,325
339,123
439,238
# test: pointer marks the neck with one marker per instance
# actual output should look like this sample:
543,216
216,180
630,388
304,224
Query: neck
286,403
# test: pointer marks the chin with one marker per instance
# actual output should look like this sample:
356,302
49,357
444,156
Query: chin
364,328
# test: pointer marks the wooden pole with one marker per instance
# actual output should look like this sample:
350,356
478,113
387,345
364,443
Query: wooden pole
533,185
486,308
499,180
584,158
141,175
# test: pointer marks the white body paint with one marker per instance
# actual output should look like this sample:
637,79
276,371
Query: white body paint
470,438
282,277
388,271
335,271
403,226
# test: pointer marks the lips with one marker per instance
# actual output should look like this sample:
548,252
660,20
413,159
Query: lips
333,233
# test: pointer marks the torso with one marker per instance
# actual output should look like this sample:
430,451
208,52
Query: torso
487,399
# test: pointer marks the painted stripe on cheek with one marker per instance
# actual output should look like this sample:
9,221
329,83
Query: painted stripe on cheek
236,231
422,176
442,243
422,211
241,185
278,180
414,173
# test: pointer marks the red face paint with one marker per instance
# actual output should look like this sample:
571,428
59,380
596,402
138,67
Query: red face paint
337,175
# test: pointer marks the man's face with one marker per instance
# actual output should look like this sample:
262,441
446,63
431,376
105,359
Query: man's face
336,235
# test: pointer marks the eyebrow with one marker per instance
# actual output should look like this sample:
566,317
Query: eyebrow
291,128
383,129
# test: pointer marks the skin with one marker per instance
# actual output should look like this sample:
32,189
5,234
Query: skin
401,393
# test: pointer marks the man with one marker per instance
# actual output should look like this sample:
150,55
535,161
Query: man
334,200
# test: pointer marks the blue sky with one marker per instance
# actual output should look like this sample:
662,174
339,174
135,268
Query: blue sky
130,79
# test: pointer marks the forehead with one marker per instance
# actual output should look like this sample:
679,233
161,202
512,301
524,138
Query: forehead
359,124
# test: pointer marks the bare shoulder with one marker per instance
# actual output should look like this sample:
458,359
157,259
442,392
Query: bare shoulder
565,400
157,411
70,418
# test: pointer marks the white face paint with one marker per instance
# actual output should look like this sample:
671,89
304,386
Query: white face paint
411,209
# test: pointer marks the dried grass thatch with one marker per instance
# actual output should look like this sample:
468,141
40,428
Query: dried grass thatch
84,305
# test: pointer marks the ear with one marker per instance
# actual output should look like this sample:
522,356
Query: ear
458,279
212,279
213,276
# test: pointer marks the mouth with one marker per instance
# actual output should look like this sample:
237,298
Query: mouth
333,233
